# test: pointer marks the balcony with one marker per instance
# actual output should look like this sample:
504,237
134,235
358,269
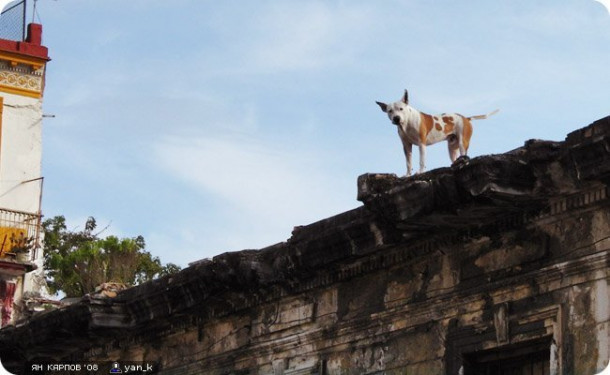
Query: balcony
19,236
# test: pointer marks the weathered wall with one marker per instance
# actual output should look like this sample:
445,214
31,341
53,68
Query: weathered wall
416,314
20,152
494,258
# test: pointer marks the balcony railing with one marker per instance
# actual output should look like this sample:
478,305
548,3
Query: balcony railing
19,235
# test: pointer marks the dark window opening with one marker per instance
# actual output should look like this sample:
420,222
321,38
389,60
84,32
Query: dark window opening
529,359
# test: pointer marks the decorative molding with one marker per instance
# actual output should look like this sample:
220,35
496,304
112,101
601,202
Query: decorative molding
20,84
21,76
579,200
35,64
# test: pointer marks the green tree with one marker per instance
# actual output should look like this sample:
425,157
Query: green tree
78,261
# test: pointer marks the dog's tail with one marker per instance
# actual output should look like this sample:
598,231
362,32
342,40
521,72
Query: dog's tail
483,117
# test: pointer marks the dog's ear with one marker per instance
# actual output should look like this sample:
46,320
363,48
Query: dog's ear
384,107
405,98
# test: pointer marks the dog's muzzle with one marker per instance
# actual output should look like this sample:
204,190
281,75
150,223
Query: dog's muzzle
396,120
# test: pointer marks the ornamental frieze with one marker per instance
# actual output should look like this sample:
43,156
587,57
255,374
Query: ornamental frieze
21,79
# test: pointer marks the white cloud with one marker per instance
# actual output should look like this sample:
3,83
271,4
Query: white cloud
295,38
260,191
263,179
292,36
561,18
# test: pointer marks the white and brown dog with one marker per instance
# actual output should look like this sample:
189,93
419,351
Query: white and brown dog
421,129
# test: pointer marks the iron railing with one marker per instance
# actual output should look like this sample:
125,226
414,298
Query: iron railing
19,234
12,21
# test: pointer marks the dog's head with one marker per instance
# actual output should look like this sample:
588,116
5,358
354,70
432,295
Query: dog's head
397,111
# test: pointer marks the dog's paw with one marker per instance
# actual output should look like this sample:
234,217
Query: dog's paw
461,162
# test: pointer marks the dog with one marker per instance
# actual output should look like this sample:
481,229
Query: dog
421,129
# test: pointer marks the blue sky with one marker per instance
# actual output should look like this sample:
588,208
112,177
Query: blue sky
214,126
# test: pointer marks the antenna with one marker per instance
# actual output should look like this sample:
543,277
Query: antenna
35,12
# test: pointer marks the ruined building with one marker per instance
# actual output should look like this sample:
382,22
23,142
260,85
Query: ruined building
496,265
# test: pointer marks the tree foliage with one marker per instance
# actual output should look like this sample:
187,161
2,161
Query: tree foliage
78,261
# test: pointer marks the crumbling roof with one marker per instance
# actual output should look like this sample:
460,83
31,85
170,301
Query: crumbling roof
475,194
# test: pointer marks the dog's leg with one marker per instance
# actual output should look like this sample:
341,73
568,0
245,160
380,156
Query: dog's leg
462,148
454,148
408,147
422,158
464,137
